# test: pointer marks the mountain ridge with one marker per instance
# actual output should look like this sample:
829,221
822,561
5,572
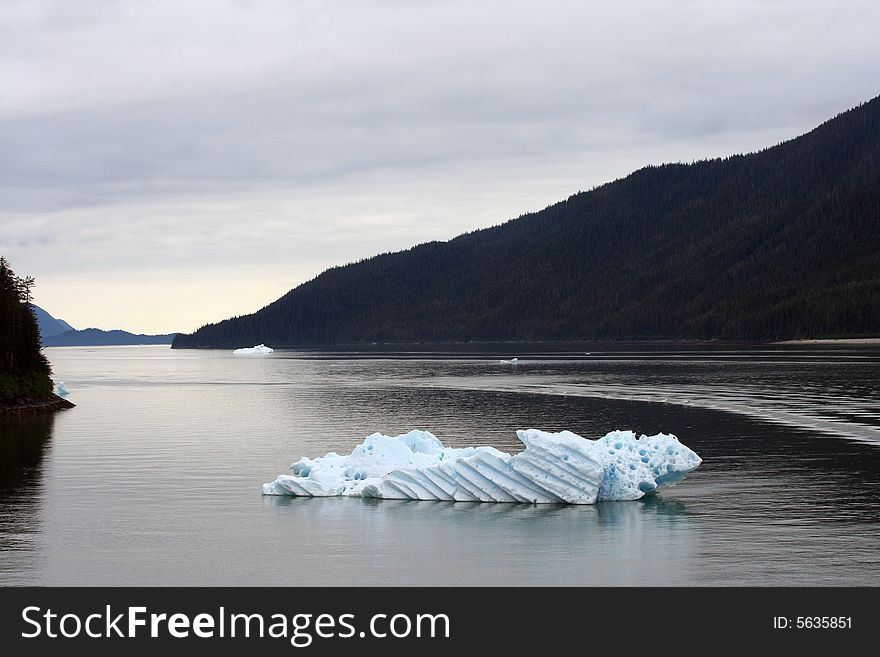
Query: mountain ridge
94,337
782,243
58,333
48,324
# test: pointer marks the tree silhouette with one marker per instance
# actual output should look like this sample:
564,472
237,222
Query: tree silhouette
24,370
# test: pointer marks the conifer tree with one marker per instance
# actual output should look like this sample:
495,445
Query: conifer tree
24,370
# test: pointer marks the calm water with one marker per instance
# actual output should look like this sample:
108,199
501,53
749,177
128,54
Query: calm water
154,478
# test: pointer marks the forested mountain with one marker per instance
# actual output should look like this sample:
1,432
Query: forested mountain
782,243
24,371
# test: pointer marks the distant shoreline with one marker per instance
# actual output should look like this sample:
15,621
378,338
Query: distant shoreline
571,346
29,406
843,341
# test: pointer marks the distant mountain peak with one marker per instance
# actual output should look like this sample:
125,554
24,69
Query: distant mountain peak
94,337
58,333
49,325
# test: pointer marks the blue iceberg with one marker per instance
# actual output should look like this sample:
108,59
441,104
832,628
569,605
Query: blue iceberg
554,468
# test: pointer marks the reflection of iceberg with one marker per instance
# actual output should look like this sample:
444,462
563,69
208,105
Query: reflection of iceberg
553,468
259,350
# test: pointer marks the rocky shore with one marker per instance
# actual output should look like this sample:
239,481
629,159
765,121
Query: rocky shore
27,406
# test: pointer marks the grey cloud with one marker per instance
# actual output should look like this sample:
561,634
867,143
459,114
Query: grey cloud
347,128
394,87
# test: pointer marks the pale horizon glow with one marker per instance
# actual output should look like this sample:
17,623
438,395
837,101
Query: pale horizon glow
168,164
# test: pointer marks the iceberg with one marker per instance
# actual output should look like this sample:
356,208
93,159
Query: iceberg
259,350
554,468
62,391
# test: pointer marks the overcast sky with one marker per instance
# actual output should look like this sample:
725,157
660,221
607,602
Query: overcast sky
167,164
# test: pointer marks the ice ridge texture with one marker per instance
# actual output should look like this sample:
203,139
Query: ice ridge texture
554,468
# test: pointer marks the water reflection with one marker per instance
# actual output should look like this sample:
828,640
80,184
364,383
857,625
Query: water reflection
23,444
605,512
408,542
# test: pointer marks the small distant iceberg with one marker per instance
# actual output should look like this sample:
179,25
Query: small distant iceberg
259,350
61,390
554,468
512,361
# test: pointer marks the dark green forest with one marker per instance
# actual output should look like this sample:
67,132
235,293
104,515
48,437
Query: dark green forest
783,243
24,370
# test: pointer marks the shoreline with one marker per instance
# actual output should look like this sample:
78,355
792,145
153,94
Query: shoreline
29,406
503,346
842,341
